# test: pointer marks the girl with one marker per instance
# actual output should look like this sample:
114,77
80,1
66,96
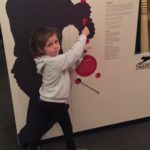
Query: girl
55,89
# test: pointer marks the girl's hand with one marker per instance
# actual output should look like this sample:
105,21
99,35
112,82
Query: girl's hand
85,31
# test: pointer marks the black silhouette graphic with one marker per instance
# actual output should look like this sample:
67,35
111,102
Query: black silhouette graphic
144,64
143,25
24,16
138,36
145,58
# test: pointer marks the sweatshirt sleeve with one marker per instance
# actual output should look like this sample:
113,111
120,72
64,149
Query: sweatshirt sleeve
69,58
76,64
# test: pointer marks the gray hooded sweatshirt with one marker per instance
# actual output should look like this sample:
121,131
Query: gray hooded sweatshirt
55,75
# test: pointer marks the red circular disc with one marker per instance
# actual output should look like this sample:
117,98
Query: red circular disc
87,66
98,75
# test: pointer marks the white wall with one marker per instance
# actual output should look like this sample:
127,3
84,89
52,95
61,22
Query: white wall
124,91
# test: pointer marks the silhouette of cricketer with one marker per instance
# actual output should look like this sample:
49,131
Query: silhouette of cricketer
24,16
138,32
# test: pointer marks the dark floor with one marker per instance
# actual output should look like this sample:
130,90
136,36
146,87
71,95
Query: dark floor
127,136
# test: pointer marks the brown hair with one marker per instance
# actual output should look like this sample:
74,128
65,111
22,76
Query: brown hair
39,37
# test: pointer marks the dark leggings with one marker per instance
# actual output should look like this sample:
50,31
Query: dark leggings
54,112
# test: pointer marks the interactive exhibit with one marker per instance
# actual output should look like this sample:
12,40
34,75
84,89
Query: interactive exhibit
110,86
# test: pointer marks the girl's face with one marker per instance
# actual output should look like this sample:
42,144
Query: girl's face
52,46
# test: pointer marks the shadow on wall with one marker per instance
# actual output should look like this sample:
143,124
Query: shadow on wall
24,16
6,109
2,54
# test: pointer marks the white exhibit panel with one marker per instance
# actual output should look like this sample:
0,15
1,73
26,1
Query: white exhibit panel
111,85
121,84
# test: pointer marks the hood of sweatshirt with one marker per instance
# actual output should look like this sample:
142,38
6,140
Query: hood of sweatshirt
40,63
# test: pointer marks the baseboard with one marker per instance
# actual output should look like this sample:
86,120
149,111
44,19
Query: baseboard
99,129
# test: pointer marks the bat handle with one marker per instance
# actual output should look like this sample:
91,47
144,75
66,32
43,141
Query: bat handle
83,1
84,20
